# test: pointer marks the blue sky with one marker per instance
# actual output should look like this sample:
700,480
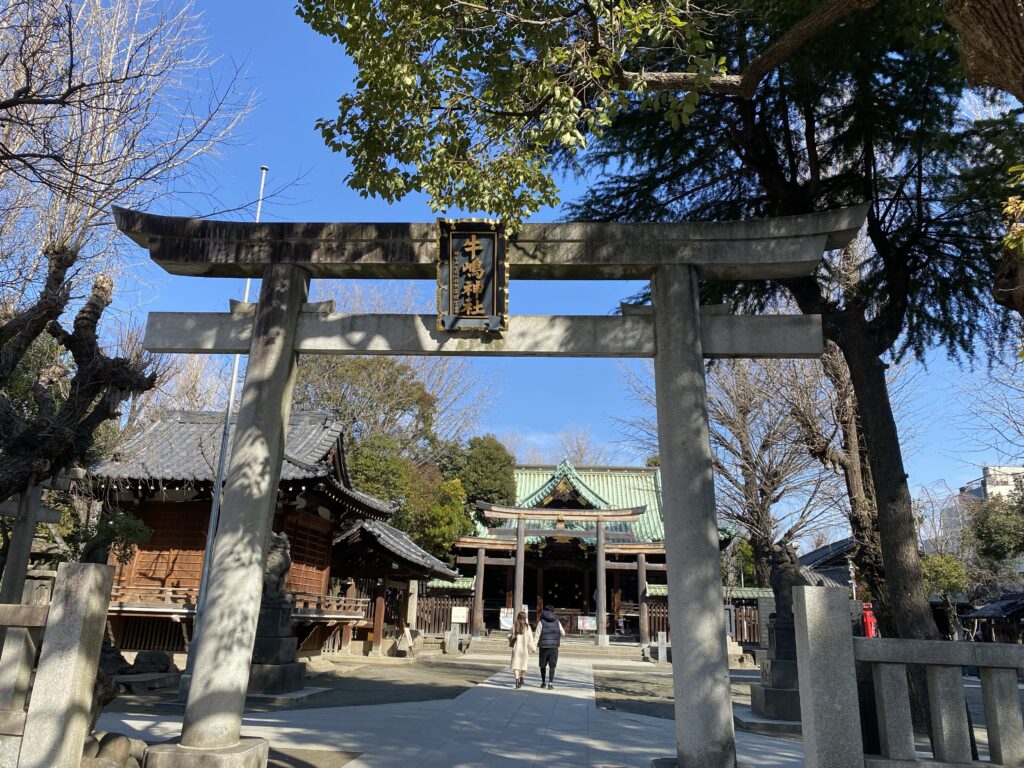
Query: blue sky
297,76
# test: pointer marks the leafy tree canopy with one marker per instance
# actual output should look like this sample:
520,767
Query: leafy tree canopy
489,474
944,575
469,101
373,396
431,508
997,527
873,110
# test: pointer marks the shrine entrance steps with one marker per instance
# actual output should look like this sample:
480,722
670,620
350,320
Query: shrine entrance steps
496,644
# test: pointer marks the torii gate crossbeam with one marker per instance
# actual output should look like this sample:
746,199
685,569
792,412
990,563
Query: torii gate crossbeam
674,256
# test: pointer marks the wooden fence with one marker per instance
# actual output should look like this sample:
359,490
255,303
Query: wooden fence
434,612
746,627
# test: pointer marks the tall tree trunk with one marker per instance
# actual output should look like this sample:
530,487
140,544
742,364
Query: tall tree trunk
867,557
907,598
1009,286
762,549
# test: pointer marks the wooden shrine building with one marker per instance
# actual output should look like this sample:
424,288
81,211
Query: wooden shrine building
164,476
586,540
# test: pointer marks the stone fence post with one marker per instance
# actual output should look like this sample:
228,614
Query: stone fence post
58,714
828,678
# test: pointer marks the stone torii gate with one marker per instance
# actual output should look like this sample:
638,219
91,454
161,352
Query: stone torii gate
678,334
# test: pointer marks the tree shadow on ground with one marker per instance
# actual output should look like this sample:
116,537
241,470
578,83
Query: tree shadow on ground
309,758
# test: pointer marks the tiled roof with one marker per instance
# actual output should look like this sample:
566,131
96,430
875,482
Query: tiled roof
184,446
399,545
1003,607
834,549
605,487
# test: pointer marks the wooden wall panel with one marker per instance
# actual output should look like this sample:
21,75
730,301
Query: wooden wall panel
173,555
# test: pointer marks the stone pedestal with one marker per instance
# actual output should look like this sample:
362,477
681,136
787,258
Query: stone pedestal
777,696
274,667
247,753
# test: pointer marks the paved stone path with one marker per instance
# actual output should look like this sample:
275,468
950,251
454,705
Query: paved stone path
489,726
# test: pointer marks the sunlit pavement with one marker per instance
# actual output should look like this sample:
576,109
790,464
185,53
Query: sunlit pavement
492,725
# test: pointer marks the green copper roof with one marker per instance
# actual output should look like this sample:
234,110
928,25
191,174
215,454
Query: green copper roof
604,487
462,582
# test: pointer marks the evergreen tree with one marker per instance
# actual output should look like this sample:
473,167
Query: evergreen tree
870,112
489,473
431,508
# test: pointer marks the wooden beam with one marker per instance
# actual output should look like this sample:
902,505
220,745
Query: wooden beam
613,566
500,562
762,249
472,542
647,548
582,336
564,533
588,515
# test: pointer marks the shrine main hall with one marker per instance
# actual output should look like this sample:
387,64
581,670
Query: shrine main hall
575,534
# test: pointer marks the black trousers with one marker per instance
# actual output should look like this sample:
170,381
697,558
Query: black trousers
548,662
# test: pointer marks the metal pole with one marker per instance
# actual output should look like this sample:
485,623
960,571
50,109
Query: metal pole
211,529
602,589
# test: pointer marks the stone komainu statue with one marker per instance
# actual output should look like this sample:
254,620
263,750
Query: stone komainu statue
279,562
785,575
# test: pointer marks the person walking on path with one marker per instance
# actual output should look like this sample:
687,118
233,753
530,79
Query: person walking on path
548,636
521,640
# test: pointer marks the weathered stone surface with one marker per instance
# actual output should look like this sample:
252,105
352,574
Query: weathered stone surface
99,762
152,661
220,675
112,661
115,747
104,691
892,702
700,671
247,753
722,336
275,620
277,678
58,719
828,680
92,746
939,652
950,736
775,703
1002,716
768,248
275,650
780,673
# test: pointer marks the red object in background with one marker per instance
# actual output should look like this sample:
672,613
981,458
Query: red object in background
870,622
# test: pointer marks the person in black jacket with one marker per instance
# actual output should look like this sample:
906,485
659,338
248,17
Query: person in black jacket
548,636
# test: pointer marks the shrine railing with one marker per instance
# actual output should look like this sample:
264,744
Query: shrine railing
827,654
307,604
155,599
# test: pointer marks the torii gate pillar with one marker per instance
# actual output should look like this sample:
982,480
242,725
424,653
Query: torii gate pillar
216,698
705,737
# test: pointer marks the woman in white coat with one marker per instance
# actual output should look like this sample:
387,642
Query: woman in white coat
522,643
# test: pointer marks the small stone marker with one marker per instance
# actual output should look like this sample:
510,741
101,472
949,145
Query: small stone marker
662,647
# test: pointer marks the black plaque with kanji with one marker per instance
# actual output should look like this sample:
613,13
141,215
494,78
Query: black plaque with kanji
472,276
